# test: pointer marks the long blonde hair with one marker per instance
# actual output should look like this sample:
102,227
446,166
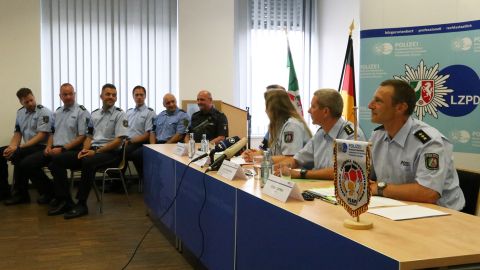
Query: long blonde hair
279,109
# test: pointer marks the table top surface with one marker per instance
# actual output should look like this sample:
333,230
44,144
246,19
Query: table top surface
416,243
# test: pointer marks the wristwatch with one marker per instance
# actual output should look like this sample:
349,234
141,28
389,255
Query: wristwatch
380,187
303,173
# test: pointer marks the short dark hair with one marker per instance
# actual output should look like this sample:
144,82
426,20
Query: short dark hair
275,87
402,92
139,87
108,85
24,92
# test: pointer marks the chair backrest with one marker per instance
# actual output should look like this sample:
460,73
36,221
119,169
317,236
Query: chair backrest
470,185
123,161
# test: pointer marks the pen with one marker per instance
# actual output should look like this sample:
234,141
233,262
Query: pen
327,199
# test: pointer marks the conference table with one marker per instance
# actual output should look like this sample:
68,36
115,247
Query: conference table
230,224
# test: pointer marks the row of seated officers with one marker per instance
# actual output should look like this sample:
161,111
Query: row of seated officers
410,160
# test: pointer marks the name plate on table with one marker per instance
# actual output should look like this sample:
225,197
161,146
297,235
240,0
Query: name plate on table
281,189
203,161
231,170
181,149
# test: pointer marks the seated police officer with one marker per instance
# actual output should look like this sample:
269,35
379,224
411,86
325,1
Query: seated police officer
412,161
70,126
101,149
208,120
171,124
33,124
140,124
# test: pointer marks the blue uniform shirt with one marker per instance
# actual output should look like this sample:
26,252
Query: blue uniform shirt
417,154
108,125
291,139
140,120
30,123
168,124
318,152
69,123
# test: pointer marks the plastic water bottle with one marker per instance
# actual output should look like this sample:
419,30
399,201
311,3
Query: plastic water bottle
191,146
205,144
265,168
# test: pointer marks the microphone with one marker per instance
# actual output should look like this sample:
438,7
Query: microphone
227,154
221,146
199,157
201,126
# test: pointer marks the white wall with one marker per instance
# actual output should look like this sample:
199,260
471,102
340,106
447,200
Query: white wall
334,19
205,34
19,56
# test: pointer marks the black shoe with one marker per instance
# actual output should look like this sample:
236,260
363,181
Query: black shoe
17,199
54,203
44,199
77,211
61,208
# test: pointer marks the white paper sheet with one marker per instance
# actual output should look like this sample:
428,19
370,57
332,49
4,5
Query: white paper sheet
376,201
406,212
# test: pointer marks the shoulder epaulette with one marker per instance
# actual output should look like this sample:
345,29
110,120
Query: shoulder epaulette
150,109
130,109
348,129
183,111
82,107
20,108
422,136
118,109
378,128
96,110
59,107
39,106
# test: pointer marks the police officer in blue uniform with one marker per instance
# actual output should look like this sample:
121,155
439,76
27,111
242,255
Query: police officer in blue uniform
171,124
33,124
107,129
412,161
140,121
69,128
208,120
316,157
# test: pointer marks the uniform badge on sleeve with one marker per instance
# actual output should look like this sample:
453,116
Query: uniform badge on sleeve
431,161
46,119
125,123
288,136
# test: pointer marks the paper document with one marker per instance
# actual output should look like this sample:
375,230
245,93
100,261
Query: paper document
330,191
376,201
239,160
406,212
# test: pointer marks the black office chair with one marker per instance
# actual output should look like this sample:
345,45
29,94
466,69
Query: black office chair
119,169
470,185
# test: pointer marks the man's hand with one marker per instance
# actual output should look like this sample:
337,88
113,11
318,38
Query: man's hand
55,151
85,153
373,187
249,153
8,152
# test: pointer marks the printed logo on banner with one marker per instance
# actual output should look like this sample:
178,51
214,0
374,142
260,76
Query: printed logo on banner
352,181
454,90
429,88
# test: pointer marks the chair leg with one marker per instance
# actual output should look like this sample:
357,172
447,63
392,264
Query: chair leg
125,187
103,192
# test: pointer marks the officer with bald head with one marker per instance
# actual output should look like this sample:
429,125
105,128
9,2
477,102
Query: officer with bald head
171,124
208,120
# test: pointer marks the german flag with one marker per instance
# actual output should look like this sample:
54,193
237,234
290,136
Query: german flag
347,84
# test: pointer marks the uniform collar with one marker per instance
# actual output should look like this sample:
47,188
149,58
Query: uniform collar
110,110
141,108
167,112
401,136
335,130
66,109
